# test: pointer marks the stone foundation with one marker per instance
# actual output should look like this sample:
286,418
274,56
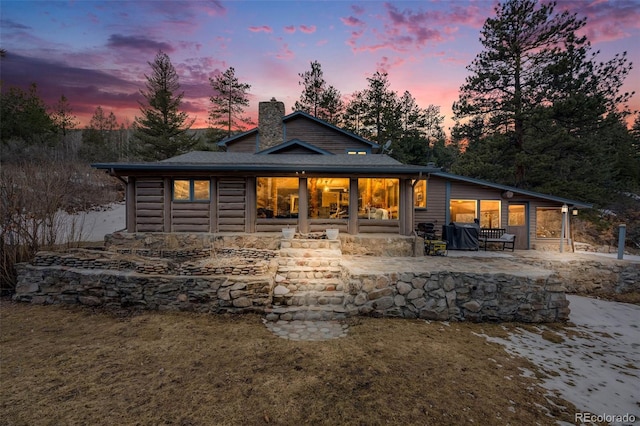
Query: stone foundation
455,296
214,294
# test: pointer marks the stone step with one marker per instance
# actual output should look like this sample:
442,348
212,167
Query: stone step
314,244
310,253
309,298
307,274
313,262
332,284
310,313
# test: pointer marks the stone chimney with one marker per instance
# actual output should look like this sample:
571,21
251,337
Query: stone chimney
270,131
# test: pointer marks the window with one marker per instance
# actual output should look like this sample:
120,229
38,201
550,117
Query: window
489,214
357,152
516,215
277,197
328,198
420,194
548,222
463,210
378,198
191,190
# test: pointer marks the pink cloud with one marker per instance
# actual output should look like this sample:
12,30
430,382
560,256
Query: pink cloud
290,29
606,21
261,29
308,29
358,10
352,21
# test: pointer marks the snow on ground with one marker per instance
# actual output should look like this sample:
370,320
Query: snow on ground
597,366
93,225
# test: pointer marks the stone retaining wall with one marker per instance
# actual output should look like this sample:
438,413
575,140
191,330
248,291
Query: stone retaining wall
214,294
454,296
592,276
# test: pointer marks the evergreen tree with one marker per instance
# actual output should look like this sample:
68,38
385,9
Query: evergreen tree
229,101
100,138
317,98
24,116
163,130
536,85
62,116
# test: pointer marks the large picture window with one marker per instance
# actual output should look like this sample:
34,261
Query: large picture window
191,190
378,198
328,198
548,222
277,197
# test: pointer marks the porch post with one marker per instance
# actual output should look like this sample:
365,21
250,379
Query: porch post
352,227
166,225
250,205
131,205
303,206
213,206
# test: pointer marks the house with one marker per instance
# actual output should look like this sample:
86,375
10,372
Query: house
297,170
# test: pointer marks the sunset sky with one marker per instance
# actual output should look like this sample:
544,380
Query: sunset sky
97,52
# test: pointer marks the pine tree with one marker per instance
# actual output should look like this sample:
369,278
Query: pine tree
318,98
163,130
535,79
100,137
229,101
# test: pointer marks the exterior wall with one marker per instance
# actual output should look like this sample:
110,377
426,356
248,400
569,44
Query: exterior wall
232,206
247,143
321,136
149,205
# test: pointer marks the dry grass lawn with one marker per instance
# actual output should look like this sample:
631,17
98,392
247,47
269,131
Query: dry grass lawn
69,365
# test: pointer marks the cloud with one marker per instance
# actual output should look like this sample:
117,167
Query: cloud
308,29
137,43
606,21
352,21
290,29
261,29
8,24
410,29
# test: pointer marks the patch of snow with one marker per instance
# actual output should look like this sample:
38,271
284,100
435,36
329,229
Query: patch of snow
93,225
597,366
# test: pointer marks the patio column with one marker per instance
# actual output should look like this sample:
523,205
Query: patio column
131,204
352,227
303,206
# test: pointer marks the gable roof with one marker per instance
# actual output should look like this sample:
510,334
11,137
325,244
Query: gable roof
286,146
513,189
207,161
304,115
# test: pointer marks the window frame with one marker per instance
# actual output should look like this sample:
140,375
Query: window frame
192,192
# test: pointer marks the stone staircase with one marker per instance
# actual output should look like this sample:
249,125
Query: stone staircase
308,283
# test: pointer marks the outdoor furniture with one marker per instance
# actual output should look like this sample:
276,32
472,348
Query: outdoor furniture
432,245
497,236
461,236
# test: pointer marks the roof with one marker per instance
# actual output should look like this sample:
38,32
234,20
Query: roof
283,147
299,114
207,161
513,189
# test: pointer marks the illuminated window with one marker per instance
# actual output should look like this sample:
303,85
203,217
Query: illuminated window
516,215
548,222
191,190
328,198
489,214
354,152
463,210
420,194
277,197
378,198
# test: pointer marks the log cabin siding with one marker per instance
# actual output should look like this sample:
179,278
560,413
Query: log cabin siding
149,206
190,217
231,205
321,136
248,143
